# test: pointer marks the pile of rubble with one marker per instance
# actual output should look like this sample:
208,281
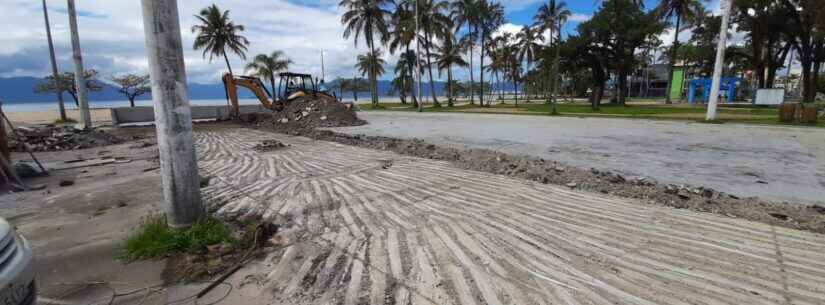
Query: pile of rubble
310,112
268,145
52,138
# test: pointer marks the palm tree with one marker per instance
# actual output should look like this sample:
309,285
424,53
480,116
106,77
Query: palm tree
367,18
498,62
371,64
266,66
527,45
491,16
449,54
405,67
551,16
216,33
434,24
681,9
465,12
402,34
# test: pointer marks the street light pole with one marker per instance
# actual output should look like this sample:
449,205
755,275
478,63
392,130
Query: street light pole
720,61
55,73
79,77
173,117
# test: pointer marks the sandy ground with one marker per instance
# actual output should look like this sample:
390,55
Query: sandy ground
100,116
76,230
360,226
771,162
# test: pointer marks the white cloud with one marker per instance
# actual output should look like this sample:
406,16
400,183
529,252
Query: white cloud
576,17
111,34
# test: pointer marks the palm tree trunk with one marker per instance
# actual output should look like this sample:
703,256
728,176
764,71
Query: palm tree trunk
554,84
472,43
225,58
430,69
60,104
481,70
410,70
674,49
450,82
550,74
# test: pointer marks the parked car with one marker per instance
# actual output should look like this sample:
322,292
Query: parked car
16,268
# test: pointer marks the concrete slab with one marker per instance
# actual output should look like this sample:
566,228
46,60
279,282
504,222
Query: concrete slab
373,227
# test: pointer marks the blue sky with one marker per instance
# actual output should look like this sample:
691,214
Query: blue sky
111,34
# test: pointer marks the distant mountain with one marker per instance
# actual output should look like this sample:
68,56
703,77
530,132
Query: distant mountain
21,90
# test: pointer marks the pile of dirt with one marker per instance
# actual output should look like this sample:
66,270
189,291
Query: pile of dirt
697,198
53,138
309,112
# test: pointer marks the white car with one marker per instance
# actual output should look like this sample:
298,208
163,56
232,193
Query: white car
16,268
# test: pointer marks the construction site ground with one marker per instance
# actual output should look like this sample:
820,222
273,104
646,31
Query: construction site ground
363,226
777,163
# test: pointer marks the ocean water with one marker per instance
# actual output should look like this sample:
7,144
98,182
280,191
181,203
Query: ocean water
52,106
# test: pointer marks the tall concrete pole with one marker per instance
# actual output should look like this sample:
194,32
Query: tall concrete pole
55,74
720,61
79,80
173,117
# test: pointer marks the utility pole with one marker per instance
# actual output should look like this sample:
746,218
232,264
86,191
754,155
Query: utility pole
173,117
55,73
322,64
79,77
418,63
720,61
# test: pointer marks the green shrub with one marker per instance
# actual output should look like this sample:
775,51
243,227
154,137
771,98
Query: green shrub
155,239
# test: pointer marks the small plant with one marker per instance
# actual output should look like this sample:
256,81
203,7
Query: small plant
155,239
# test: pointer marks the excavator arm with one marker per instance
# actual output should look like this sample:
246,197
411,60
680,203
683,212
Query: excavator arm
253,84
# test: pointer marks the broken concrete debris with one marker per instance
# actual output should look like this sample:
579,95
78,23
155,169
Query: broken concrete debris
268,145
53,138
309,112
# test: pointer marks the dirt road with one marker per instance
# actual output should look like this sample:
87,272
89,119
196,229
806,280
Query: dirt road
774,163
361,226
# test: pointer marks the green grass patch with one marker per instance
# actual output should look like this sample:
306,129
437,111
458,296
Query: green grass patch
155,239
66,121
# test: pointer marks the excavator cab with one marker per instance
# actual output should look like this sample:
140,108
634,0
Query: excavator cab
293,85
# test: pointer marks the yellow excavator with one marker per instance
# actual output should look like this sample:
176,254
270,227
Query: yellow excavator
290,86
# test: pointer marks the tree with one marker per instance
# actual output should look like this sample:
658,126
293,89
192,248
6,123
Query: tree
405,67
466,12
498,59
805,29
371,64
132,86
491,17
266,66
434,24
680,9
449,54
550,17
527,46
66,83
367,18
402,34
216,33
618,29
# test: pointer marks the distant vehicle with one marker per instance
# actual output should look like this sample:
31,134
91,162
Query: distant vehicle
16,268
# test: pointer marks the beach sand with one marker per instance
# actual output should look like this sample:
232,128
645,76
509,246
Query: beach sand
100,116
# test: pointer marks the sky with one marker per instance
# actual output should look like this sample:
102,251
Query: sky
112,39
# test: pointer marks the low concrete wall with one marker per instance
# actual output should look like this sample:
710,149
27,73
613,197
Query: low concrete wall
126,115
